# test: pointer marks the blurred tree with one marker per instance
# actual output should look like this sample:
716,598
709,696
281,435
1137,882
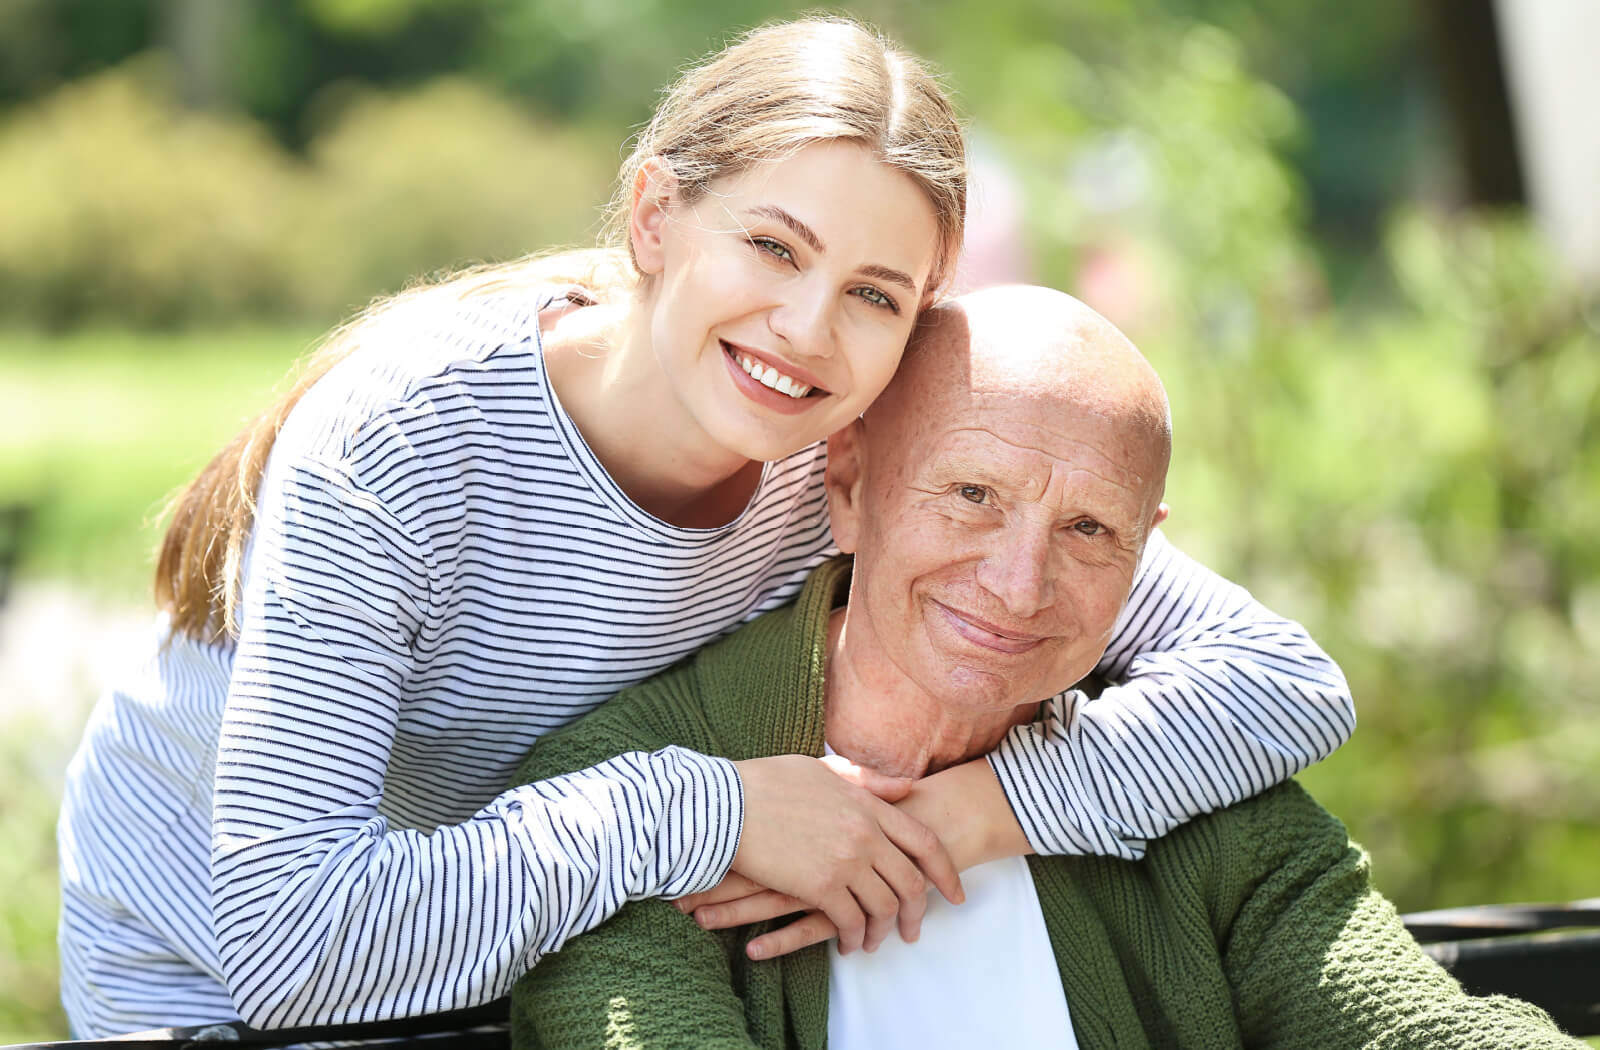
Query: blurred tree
202,37
1464,46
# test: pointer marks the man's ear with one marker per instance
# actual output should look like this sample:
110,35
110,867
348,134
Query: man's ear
1161,515
653,188
844,481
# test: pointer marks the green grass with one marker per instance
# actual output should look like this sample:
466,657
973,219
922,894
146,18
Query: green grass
97,430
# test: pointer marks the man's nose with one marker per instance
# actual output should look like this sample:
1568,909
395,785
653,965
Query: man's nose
804,318
1019,571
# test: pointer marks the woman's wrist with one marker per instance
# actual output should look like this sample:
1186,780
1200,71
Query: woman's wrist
965,806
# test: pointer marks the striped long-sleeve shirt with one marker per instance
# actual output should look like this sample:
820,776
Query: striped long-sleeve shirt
311,825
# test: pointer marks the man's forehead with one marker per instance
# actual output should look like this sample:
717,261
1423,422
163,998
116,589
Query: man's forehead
1033,358
1001,443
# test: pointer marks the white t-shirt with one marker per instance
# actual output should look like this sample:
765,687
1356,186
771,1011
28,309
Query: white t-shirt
982,974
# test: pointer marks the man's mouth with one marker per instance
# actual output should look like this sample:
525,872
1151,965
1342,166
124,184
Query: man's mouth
987,635
768,376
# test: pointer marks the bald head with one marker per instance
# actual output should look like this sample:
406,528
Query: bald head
998,497
1020,345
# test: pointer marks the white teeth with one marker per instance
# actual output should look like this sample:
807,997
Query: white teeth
771,378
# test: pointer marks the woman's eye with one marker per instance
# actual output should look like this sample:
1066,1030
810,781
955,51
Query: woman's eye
1089,527
776,249
878,297
974,493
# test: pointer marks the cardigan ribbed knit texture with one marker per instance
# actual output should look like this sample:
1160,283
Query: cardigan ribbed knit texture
1253,926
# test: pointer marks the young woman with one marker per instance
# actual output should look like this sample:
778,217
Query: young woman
484,510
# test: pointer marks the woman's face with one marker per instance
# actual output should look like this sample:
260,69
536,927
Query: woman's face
781,300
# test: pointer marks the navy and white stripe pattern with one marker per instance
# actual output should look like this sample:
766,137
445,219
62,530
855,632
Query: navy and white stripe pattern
440,572
312,826
1219,700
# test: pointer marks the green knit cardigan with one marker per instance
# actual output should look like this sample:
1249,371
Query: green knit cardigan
1253,926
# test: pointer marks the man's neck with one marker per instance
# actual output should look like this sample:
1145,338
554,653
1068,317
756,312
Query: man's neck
879,719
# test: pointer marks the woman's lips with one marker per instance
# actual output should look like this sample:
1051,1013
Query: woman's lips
762,394
777,363
987,635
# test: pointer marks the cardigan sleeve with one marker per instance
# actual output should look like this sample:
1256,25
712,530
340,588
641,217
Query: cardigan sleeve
650,976
1319,960
323,911
1216,699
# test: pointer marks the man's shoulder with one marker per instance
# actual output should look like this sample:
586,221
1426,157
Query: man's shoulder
1281,819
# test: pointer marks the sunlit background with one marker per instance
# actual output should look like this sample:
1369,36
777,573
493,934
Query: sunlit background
1359,239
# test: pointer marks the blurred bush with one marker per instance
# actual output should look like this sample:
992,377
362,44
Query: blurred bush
113,203
1422,487
402,185
116,204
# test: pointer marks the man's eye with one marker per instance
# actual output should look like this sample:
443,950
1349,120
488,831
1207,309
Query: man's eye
1089,527
974,493
773,248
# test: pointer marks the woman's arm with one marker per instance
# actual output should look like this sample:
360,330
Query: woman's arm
323,911
1216,700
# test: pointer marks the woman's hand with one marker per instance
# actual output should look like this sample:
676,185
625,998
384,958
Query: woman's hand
964,804
818,836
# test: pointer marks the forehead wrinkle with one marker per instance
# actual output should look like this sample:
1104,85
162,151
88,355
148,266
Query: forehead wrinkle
1085,432
965,454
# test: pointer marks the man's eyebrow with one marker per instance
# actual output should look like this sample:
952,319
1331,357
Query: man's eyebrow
807,234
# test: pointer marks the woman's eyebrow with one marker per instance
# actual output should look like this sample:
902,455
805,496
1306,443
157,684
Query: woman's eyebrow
890,275
807,234
801,230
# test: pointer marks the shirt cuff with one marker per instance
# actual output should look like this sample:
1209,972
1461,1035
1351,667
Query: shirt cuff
702,818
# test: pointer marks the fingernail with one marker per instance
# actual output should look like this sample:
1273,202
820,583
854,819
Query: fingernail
756,951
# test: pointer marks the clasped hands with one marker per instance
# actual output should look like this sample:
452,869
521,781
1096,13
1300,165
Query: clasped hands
853,849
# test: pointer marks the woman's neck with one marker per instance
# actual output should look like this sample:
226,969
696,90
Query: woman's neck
603,369
877,718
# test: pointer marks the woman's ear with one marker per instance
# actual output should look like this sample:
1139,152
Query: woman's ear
843,479
653,188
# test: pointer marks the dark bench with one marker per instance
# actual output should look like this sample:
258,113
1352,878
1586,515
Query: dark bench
1548,954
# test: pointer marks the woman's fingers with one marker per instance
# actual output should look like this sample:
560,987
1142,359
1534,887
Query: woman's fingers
755,907
890,789
811,835
813,928
846,915
913,839
732,887
882,906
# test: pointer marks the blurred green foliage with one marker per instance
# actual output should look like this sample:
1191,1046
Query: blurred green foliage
119,205
1412,470
29,1007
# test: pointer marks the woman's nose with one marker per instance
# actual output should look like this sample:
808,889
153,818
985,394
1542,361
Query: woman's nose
804,319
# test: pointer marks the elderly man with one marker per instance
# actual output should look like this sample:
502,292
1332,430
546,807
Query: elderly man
997,500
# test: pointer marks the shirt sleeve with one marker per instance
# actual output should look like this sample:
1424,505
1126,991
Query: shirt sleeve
1215,700
323,912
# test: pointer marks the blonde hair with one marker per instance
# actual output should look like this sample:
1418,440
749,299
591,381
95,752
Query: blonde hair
773,91
784,86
